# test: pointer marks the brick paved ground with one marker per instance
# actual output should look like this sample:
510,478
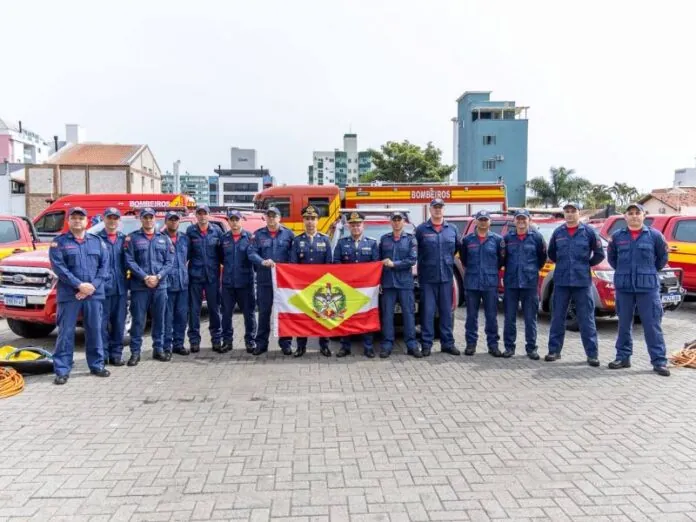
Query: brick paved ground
234,437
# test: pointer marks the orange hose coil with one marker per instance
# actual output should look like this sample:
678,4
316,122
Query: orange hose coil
11,382
686,357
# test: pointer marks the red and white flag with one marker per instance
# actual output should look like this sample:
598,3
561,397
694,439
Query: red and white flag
326,300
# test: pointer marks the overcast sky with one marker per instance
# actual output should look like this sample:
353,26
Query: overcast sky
611,85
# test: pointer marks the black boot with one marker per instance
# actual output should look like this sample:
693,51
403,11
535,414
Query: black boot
180,351
343,352
470,349
300,351
134,360
325,351
619,363
195,348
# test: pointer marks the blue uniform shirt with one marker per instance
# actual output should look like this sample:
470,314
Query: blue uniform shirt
237,272
436,252
204,254
482,260
146,257
314,251
350,251
77,262
523,259
178,278
404,253
575,255
264,246
637,262
116,283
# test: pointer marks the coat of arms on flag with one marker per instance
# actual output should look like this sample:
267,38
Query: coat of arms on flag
326,300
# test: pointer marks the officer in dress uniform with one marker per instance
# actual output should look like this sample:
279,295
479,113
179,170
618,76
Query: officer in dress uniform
398,251
483,254
177,289
237,277
637,253
438,242
356,248
81,263
575,248
115,305
525,255
311,248
269,245
149,257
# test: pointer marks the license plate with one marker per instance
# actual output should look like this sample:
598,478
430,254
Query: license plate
671,298
16,300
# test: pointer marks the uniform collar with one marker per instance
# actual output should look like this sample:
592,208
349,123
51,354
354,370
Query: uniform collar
155,233
433,225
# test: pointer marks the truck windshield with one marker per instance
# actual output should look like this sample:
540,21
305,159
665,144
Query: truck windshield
546,229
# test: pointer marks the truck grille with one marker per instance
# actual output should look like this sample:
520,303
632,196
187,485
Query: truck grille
669,281
17,277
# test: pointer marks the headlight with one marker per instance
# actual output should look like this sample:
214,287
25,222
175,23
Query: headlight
604,275
51,279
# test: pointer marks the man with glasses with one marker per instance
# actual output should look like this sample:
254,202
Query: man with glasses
204,278
638,253
575,248
311,248
269,245
81,263
149,257
115,304
356,248
398,251
177,289
438,242
237,277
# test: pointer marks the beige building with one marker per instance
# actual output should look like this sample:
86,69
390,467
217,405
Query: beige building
678,200
90,168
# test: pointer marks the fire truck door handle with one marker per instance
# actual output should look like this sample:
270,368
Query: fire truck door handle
674,249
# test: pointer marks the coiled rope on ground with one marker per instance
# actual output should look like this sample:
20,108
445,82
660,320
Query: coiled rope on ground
11,382
686,357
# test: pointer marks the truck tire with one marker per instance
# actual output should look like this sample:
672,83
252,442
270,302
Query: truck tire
30,330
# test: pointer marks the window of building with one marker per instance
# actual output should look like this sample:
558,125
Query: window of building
489,140
240,187
489,165
51,223
321,204
331,160
8,232
237,198
685,231
152,185
282,204
18,188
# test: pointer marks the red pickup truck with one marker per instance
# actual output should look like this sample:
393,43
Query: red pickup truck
680,233
602,276
27,284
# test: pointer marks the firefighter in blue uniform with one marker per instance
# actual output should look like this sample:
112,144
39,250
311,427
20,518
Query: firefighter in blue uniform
637,253
177,289
483,254
398,251
356,248
237,277
204,277
311,248
149,257
81,263
269,245
525,255
438,242
575,248
115,305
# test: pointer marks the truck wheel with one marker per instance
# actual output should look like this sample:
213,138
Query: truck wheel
30,330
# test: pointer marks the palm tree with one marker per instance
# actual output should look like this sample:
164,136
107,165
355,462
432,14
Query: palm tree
563,186
598,196
624,194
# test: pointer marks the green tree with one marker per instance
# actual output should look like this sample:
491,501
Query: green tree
624,194
598,196
561,187
405,162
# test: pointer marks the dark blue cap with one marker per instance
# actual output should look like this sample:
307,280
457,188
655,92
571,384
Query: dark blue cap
112,211
205,208
396,215
482,214
234,214
637,206
147,212
571,204
521,212
77,210
272,209
437,201
172,214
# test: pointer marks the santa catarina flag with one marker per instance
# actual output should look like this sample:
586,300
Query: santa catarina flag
326,300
